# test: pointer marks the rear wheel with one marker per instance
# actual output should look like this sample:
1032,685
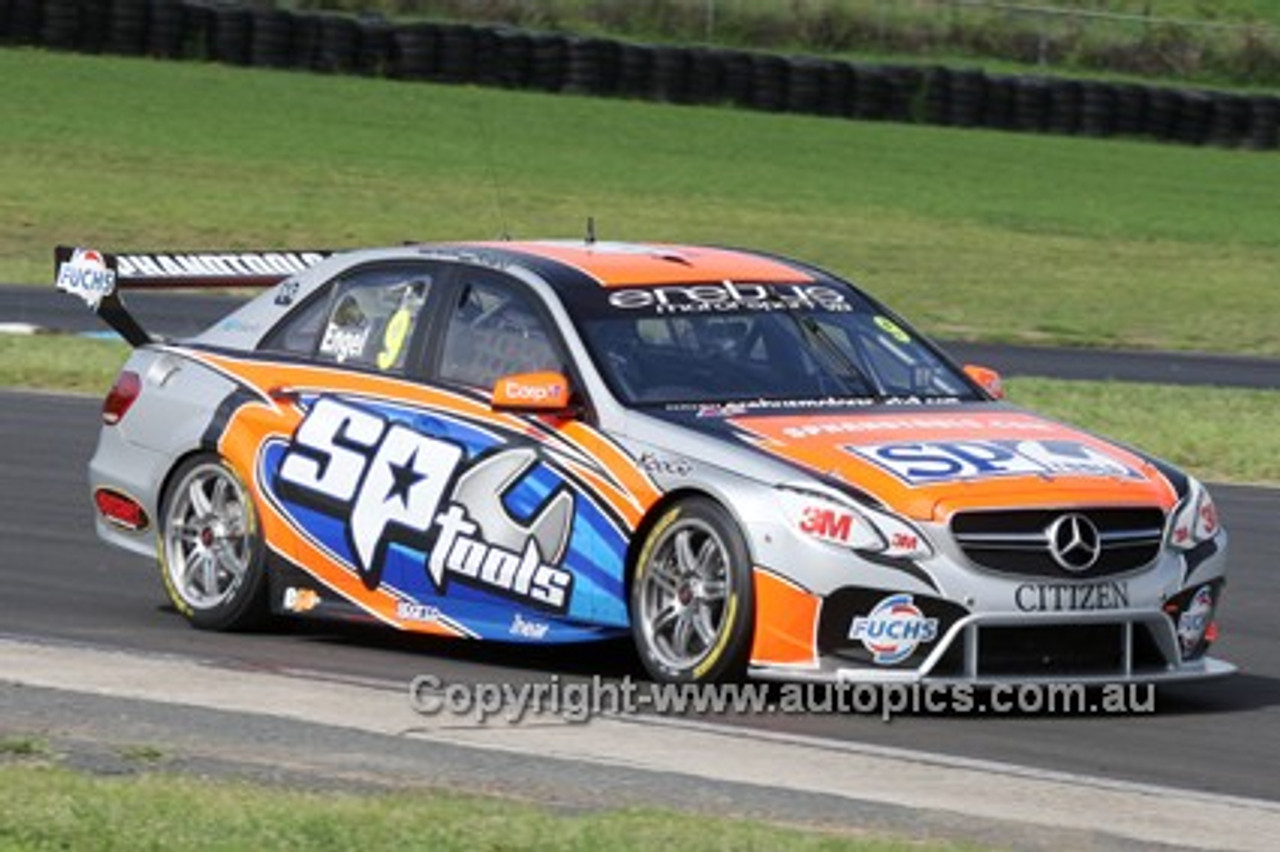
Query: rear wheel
211,552
692,607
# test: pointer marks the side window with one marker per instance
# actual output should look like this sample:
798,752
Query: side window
494,331
298,332
370,317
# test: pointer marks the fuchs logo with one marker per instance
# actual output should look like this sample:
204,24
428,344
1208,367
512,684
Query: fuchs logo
1194,620
395,487
894,629
87,275
729,296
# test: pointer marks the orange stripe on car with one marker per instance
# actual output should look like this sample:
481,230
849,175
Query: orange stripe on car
786,623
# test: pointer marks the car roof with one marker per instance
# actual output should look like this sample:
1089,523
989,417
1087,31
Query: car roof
616,264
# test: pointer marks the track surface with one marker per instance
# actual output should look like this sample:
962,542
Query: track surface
178,315
60,583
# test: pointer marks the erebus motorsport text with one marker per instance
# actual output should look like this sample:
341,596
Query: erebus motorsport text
730,296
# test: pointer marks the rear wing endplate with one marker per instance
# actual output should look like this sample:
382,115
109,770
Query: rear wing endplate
98,277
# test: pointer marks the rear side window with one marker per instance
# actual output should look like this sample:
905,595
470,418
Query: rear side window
366,320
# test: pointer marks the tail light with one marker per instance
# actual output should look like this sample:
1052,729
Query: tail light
121,397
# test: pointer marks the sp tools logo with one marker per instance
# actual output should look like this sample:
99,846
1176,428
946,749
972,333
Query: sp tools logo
926,462
894,629
396,488
88,276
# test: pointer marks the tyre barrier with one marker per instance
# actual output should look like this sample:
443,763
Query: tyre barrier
374,56
272,42
166,29
1264,123
26,21
257,34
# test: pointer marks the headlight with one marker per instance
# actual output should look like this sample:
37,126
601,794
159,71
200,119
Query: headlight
834,520
1195,521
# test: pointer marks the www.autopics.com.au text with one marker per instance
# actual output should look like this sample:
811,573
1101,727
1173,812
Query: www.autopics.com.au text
582,700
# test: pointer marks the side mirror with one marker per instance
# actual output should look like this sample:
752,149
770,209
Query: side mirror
535,393
988,378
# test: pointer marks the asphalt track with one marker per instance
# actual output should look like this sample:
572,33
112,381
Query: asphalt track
183,314
60,583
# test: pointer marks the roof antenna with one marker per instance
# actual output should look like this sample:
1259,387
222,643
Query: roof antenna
591,230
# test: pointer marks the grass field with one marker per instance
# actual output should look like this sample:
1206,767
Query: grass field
1219,435
48,808
973,234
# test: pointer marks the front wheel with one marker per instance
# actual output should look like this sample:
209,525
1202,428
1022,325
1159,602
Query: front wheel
211,552
692,602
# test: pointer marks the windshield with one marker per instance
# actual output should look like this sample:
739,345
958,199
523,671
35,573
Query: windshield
761,342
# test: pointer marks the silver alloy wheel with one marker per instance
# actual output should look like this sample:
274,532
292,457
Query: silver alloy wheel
684,589
208,543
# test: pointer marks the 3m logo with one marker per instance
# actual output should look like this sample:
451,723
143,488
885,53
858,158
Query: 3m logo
826,523
396,487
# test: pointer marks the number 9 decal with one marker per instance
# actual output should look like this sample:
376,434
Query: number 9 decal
393,338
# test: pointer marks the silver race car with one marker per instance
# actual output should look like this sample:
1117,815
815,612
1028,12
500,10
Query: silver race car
743,462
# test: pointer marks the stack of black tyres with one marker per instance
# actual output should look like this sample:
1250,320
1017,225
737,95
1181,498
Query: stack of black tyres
1065,97
768,82
414,50
968,98
457,53
706,75
1097,109
593,67
166,29
1001,111
669,77
1229,121
25,21
1131,109
550,61
61,25
339,45
1264,124
839,91
1031,105
1193,118
127,34
873,96
374,58
806,85
937,96
231,35
737,76
1163,108
514,58
635,66
272,42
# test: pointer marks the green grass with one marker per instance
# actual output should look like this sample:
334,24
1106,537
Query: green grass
60,363
44,808
1219,435
973,234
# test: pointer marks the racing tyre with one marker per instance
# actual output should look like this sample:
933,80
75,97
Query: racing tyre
211,552
692,601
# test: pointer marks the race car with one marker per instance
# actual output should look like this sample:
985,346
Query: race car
745,463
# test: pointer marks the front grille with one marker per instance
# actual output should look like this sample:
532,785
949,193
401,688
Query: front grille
1017,541
1054,651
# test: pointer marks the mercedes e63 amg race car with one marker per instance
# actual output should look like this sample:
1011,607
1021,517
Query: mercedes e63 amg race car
747,464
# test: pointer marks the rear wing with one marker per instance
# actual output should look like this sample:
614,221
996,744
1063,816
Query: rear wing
98,277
